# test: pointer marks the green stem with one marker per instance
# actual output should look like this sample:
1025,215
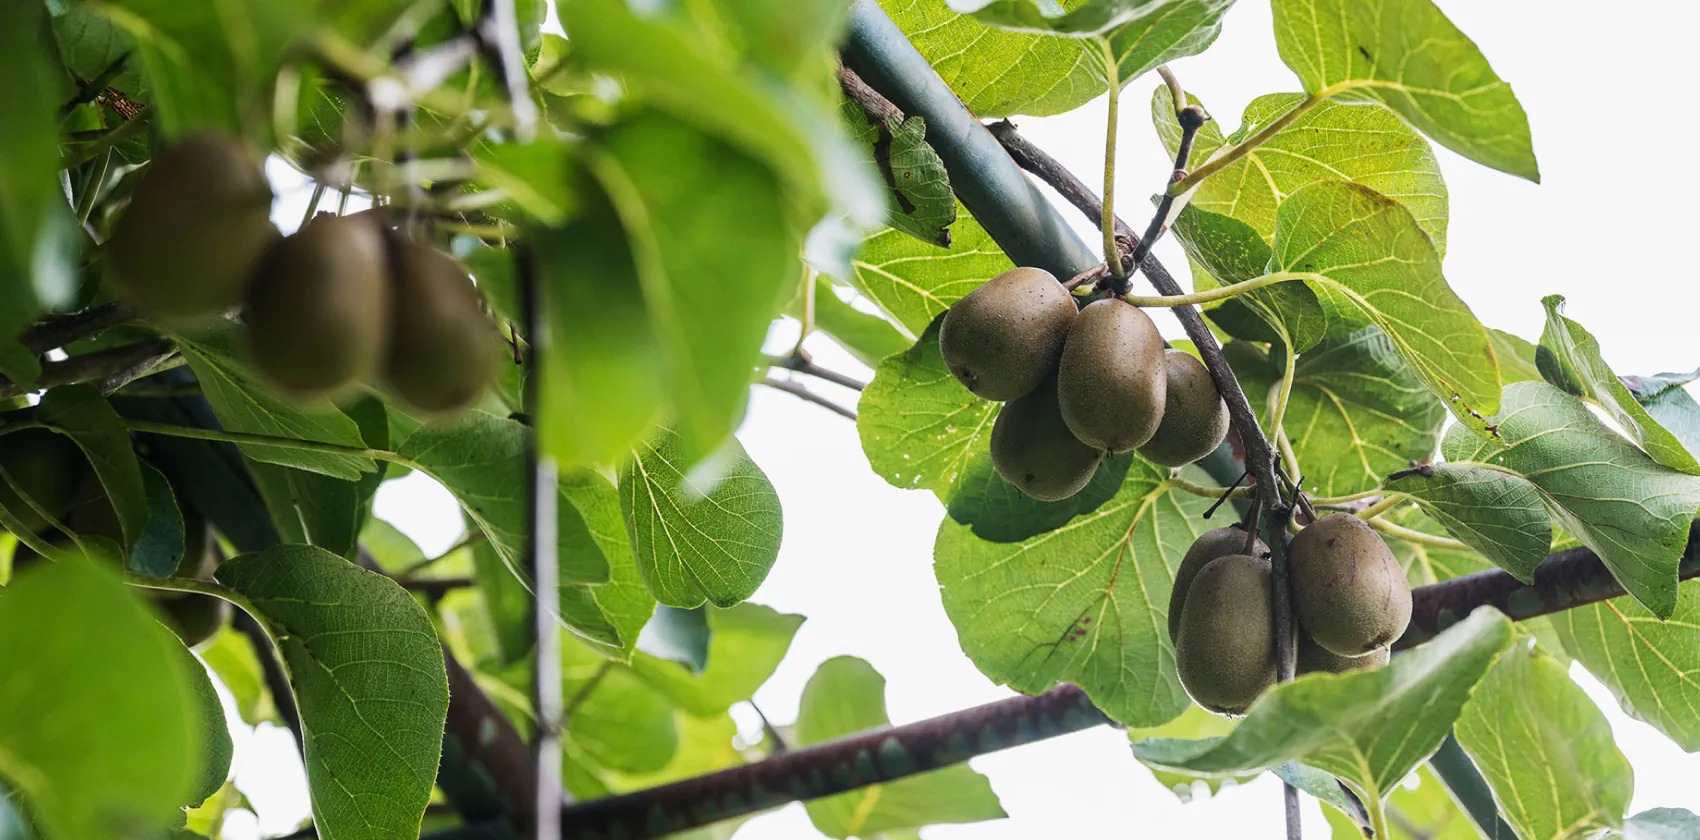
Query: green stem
1282,394
1392,501
150,427
1209,492
97,176
1414,536
1107,223
1222,292
471,538
1195,177
106,141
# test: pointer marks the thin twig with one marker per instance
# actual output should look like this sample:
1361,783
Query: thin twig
771,732
1192,118
801,363
108,369
90,90
796,390
472,537
436,587
584,691
54,331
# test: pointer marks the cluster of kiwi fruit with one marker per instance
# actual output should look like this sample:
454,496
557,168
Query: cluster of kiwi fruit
1350,597
343,299
1076,382
60,481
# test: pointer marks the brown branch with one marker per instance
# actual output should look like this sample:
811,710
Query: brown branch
486,746
807,395
880,111
108,370
435,587
801,363
54,331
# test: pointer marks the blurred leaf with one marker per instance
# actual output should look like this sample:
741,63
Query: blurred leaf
507,601
1516,357
1669,403
869,338
367,671
84,415
917,186
1193,724
847,695
73,639
998,512
1582,371
1634,513
232,659
623,603
920,428
745,645
1662,824
216,747
1085,603
677,635
1406,55
1500,515
1649,665
620,722
1546,751
1426,564
394,551
159,550
697,541
1426,812
914,281
539,177
705,745
1369,728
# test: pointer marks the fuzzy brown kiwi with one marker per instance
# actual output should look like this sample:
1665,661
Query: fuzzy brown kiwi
1219,542
1225,650
1110,381
1195,418
1033,450
1314,658
1348,590
1004,338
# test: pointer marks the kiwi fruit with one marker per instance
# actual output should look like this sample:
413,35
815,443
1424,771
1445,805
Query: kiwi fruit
1110,380
195,229
1314,658
441,344
1225,649
1004,338
1195,418
48,466
1210,545
1348,589
318,307
193,616
1033,450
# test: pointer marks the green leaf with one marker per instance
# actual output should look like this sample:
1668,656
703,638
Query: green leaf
621,723
1406,55
623,604
1425,812
679,636
1516,357
85,416
507,601
1368,728
715,253
243,403
1425,564
1364,144
1632,511
1651,666
1369,260
159,549
1546,751
697,543
1670,404
216,747
1194,723
847,695
309,507
917,187
1663,824
998,512
1500,515
367,671
913,281
481,460
1582,371
74,641
745,645
231,658
1086,603
394,551
1356,411
868,337
920,428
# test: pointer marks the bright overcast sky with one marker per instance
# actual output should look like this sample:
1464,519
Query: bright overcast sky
1604,90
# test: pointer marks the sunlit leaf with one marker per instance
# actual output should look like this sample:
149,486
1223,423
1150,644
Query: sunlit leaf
745,645
1500,515
914,281
920,428
1651,666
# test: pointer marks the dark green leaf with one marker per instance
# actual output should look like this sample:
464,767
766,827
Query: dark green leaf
998,512
745,645
83,414
159,549
216,748
367,671
1500,515
920,428
918,189
623,604
847,695
309,507
677,635
914,281
507,600
1650,665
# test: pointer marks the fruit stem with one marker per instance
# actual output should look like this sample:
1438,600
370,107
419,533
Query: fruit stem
1392,501
1278,405
1220,292
1414,536
150,427
1107,220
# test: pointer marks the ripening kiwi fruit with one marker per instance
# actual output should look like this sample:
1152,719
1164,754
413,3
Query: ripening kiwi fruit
1210,545
1314,658
196,227
47,466
441,344
1004,338
1110,380
1348,589
1033,450
1195,419
1225,650
318,307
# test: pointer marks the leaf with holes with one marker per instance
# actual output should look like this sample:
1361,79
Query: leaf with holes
1406,55
1545,749
1500,515
367,671
914,282
1086,603
697,542
1651,666
918,189
1632,511
920,428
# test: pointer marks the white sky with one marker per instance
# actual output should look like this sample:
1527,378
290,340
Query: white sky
1603,230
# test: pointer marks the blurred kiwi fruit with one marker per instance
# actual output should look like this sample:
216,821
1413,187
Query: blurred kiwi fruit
442,347
47,466
318,307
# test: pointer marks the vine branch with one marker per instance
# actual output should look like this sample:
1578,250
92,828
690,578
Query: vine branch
802,393
108,369
801,363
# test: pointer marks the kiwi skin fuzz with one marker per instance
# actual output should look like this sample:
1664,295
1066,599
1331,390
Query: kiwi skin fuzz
1195,418
1225,650
1348,589
197,226
1110,381
442,352
1033,450
318,308
1316,659
1219,542
1004,338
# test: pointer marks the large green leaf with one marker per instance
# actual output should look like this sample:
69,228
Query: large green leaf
367,671
917,187
1086,603
1364,144
619,722
1632,511
1367,258
481,460
1408,56
1500,515
997,511
847,695
697,543
1356,411
310,508
1369,728
1651,666
243,403
1669,403
914,281
84,415
1425,812
1577,366
97,717
623,604
920,428
1516,357
1193,724
159,550
745,645
1545,749
213,762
